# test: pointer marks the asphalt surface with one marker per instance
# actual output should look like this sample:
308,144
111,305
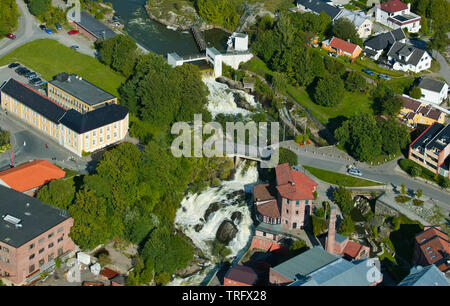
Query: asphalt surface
337,161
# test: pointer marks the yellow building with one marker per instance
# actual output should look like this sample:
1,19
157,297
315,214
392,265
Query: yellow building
73,130
73,92
414,112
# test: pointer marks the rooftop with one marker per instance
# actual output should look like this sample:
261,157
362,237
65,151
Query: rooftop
414,53
95,27
435,137
343,45
393,6
30,217
30,175
357,18
81,89
319,6
432,85
242,274
294,185
384,40
425,276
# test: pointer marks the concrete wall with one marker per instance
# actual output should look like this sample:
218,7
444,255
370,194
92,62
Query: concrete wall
234,60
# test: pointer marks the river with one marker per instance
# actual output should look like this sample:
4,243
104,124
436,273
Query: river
159,38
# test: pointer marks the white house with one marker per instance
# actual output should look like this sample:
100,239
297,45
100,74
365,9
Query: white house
433,91
408,58
395,14
361,21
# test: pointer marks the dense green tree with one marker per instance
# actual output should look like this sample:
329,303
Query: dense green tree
355,82
343,198
225,13
9,14
345,30
395,136
297,247
60,193
119,52
415,92
287,156
360,136
347,226
329,91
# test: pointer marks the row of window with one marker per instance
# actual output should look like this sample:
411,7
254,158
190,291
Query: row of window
50,245
50,257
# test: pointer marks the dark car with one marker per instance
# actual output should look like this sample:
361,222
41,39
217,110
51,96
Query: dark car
36,82
75,47
368,71
43,27
22,70
13,65
31,75
58,27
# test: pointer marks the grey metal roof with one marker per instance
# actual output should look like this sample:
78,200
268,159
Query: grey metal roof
357,18
36,218
33,100
95,27
384,40
83,90
318,7
425,276
430,84
305,263
401,48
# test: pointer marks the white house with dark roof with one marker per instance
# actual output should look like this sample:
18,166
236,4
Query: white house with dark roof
396,14
362,22
408,58
375,46
433,91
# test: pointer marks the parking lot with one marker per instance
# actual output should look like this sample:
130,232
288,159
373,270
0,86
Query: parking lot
7,73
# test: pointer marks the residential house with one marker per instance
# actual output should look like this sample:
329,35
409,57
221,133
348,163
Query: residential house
432,247
340,245
432,149
408,58
396,14
425,276
342,47
74,131
239,275
362,22
317,7
415,112
375,46
32,235
73,92
90,27
433,91
31,176
317,267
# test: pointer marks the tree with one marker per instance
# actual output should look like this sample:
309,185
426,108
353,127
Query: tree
415,92
279,82
119,52
38,7
343,198
403,190
360,136
329,91
416,171
297,247
395,136
59,193
347,226
346,30
287,156
355,82
419,193
9,14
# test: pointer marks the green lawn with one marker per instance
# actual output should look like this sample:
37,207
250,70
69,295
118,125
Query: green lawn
340,179
48,57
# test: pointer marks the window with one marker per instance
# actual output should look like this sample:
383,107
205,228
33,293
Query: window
296,212
41,262
115,134
41,251
50,245
287,211
60,229
41,240
297,202
31,256
306,201
287,201
50,235
31,268
101,131
6,250
108,128
93,142
108,137
94,133
60,239
31,246
6,260
101,139
115,125
50,257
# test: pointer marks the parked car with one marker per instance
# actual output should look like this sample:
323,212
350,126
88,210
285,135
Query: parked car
58,27
13,65
43,27
332,54
73,32
11,35
36,82
368,71
384,76
354,171
22,70
49,31
75,47
31,75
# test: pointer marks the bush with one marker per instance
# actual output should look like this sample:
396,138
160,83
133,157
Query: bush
417,202
402,199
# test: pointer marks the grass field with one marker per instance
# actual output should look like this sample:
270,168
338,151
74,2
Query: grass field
48,57
339,179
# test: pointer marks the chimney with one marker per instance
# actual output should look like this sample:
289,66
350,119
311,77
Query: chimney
331,231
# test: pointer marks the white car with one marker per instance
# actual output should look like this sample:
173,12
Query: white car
354,171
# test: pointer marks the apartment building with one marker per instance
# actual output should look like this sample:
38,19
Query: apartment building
73,92
32,235
73,130
432,247
415,112
432,149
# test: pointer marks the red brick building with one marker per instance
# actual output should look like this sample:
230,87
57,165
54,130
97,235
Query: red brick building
239,275
92,28
432,246
32,235
342,246
31,176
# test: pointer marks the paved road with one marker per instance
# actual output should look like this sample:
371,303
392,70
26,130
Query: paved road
28,30
337,161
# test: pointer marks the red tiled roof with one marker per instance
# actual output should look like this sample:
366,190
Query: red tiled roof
434,245
393,6
31,175
343,45
269,209
430,233
263,192
294,185
108,273
242,274
352,249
